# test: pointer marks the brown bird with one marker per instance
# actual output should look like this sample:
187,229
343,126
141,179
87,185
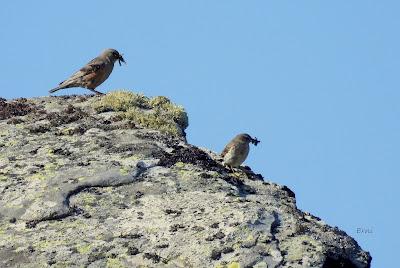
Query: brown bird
237,149
94,73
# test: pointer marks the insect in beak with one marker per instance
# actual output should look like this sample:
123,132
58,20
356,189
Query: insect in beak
120,58
255,141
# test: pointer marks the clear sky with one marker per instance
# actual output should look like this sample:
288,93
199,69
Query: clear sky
316,81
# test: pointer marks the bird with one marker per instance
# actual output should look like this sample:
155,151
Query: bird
94,73
236,151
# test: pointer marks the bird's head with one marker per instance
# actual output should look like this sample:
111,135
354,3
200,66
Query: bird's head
113,55
247,138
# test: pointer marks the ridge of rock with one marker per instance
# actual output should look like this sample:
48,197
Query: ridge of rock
111,182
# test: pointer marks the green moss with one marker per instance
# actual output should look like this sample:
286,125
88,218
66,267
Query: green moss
157,113
177,113
157,119
121,101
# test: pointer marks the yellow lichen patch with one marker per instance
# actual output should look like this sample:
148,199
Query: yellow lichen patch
157,113
50,167
233,265
179,164
88,199
38,176
299,246
261,265
62,264
4,132
84,248
114,263
181,262
49,171
124,171
185,171
45,244
11,143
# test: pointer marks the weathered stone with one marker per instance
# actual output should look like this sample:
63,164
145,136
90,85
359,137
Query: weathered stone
84,184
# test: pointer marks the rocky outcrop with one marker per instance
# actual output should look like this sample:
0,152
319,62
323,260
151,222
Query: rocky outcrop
109,181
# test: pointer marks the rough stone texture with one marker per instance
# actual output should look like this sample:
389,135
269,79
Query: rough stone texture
83,188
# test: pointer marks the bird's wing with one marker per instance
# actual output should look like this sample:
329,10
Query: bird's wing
86,71
227,148
93,66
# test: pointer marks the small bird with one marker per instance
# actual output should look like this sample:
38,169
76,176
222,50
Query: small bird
94,73
237,149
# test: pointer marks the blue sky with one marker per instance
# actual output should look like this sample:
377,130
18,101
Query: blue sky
315,81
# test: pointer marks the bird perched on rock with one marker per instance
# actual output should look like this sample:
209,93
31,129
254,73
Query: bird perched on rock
94,73
237,149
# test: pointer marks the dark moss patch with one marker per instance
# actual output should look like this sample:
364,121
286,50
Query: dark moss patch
17,107
153,257
169,140
189,155
227,250
34,129
338,263
215,254
15,121
175,227
133,250
68,115
79,130
62,151
214,225
172,211
162,246
288,191
198,228
95,255
217,236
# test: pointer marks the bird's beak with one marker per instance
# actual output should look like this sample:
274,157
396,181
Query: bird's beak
121,59
255,141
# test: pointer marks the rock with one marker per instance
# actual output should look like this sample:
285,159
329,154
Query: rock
109,181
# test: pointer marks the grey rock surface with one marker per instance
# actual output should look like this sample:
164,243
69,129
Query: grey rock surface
80,187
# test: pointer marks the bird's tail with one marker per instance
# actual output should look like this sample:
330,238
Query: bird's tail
62,85
55,89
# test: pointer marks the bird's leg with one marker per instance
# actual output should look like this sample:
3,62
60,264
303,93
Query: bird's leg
227,167
97,92
232,169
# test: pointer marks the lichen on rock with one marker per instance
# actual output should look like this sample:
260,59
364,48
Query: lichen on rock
109,181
